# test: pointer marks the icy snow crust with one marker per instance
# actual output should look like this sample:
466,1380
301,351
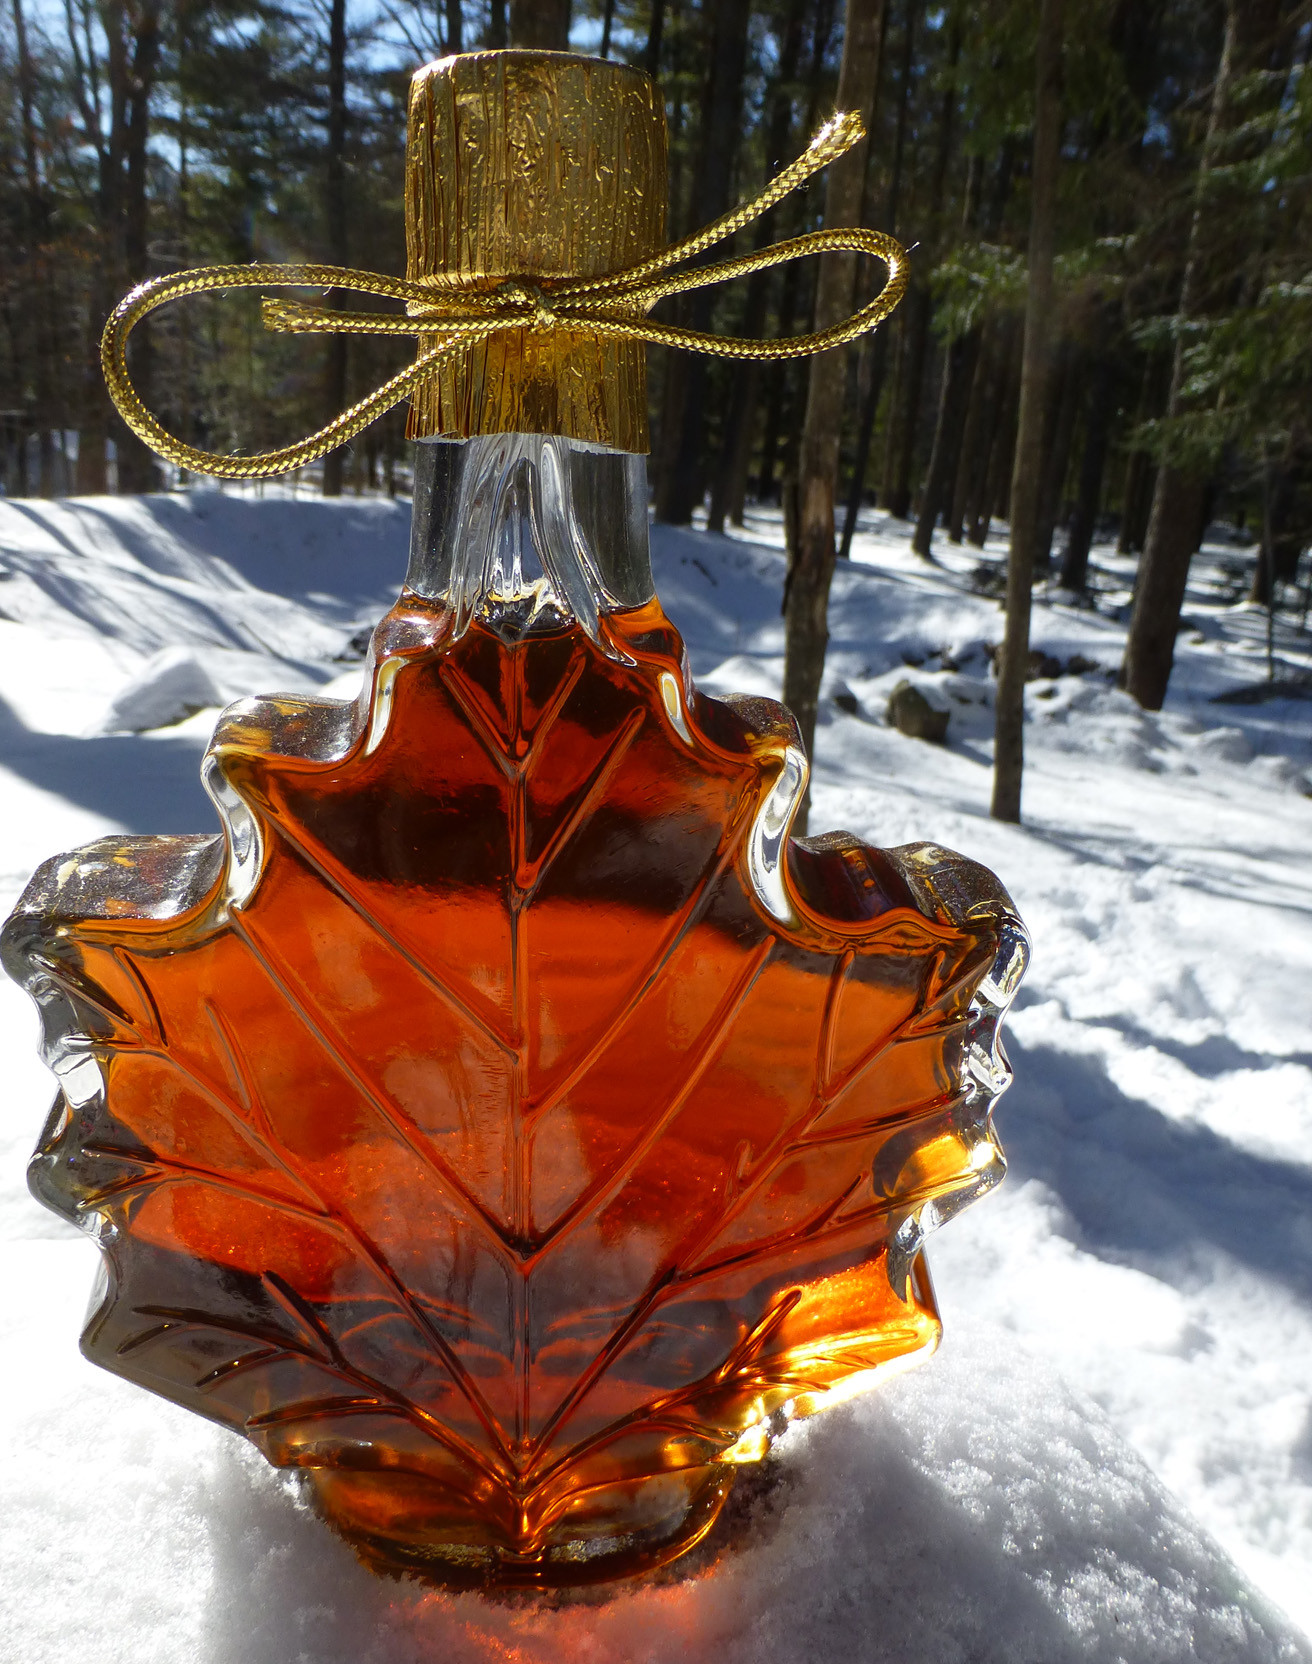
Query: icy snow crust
1111,1457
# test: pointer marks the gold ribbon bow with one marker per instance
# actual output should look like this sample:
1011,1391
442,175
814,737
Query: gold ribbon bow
612,305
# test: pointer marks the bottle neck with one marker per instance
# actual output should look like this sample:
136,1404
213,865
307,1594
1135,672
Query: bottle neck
529,531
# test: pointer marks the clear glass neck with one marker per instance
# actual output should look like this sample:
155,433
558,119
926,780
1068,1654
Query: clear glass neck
529,531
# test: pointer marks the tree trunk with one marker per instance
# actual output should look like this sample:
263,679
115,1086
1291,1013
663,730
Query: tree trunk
105,259
904,423
455,26
672,378
875,353
997,462
1008,743
1136,503
137,468
669,366
811,563
1285,535
184,427
334,381
1057,455
973,459
92,475
1093,465
729,488
775,377
36,225
1138,477
959,364
781,379
874,361
902,446
1180,492
542,25
651,57
997,481
934,222
682,486
777,384
1169,547
1004,460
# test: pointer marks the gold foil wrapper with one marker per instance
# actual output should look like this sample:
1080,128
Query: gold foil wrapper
534,165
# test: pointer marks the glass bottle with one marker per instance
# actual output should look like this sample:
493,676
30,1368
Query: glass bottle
503,1122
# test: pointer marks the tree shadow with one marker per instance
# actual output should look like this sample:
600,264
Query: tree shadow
143,784
352,554
93,605
1126,853
1145,1189
1216,1055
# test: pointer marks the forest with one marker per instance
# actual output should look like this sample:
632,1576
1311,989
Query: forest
1056,509
1138,208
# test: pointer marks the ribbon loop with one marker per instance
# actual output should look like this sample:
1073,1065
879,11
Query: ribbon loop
616,304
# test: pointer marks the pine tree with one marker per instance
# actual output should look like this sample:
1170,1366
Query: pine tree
1175,523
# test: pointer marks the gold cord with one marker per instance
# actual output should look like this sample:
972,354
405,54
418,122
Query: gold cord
611,305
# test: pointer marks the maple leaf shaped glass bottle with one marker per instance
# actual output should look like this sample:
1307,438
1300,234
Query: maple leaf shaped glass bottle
503,1122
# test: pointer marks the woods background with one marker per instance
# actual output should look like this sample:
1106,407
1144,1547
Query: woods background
1173,381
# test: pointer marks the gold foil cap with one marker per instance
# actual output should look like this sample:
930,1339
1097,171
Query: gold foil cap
534,165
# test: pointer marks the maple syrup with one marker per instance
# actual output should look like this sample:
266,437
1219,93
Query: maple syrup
504,1123
501,1131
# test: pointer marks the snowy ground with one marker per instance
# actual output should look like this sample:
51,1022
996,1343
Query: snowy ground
1126,1380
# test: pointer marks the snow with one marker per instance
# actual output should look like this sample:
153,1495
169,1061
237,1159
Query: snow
1111,1457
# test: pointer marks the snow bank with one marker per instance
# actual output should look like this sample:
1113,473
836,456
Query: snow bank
169,687
980,1510
262,573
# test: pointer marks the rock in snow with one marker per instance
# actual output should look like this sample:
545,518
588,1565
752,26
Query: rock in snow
912,714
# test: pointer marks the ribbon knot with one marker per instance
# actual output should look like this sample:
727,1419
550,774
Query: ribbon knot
459,317
516,291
